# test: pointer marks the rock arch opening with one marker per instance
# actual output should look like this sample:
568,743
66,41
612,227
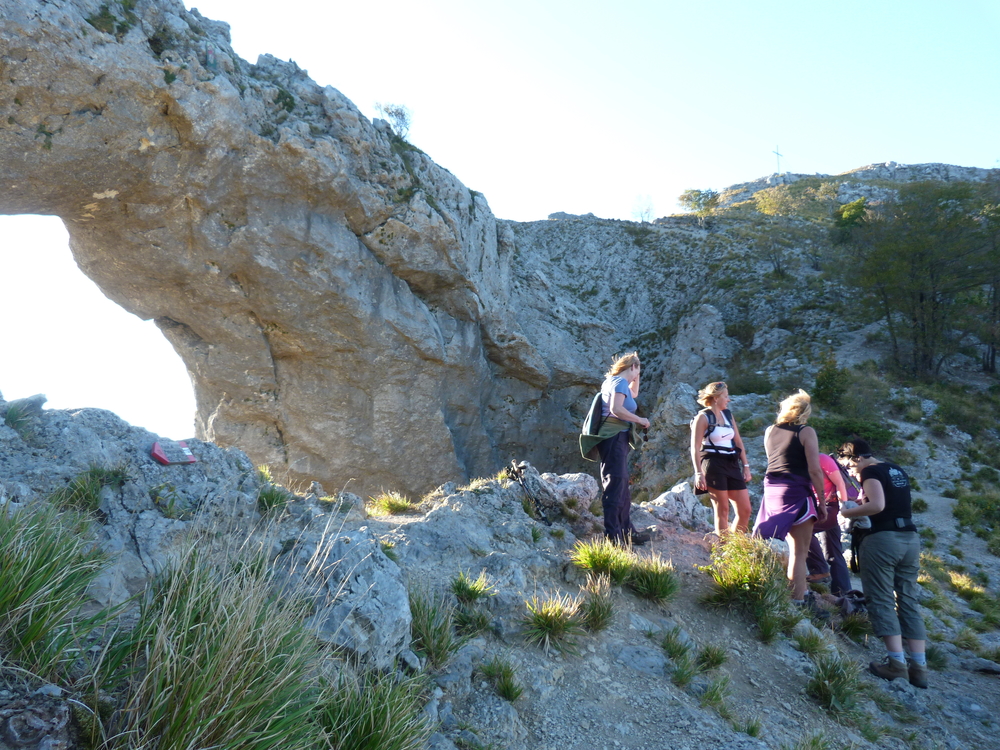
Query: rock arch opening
65,339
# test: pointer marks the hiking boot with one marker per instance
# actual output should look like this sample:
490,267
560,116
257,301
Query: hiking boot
917,674
890,669
639,538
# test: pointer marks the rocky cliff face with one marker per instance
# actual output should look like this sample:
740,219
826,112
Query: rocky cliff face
348,310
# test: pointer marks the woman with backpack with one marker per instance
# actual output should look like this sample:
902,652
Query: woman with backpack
617,437
889,553
720,465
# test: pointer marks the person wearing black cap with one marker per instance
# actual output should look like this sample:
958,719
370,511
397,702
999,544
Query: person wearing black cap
889,555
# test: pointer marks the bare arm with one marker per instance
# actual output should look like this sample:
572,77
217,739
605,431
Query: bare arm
697,438
839,487
807,436
874,500
738,442
618,410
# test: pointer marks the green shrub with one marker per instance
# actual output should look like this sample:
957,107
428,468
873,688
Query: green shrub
855,626
919,505
470,590
979,512
744,383
553,621
218,661
831,384
684,670
834,430
431,628
375,711
809,643
48,563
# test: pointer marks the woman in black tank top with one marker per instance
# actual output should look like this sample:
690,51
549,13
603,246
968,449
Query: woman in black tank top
792,483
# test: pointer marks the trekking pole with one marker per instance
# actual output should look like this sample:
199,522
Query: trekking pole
518,473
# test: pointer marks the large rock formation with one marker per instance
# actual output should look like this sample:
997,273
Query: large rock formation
341,302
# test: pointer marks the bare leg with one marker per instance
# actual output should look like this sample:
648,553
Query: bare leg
741,504
798,546
720,504
894,643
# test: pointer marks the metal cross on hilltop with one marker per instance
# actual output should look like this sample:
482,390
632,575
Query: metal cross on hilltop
775,152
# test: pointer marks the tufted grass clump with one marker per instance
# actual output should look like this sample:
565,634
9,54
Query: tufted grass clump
716,696
553,621
601,556
684,670
83,493
653,578
710,656
937,659
502,676
966,638
217,660
48,565
470,620
748,725
747,575
432,628
835,683
674,644
855,626
272,498
470,590
815,741
390,504
375,711
597,609
21,417
809,643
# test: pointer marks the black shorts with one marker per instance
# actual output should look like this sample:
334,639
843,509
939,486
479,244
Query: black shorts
722,472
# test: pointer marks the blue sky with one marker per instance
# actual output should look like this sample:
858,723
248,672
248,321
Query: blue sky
550,106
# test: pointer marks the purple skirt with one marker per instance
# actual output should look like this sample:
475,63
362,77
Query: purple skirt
788,501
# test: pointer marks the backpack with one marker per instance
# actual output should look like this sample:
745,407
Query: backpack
712,424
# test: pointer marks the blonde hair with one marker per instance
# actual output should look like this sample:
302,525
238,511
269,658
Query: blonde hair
795,409
706,396
623,363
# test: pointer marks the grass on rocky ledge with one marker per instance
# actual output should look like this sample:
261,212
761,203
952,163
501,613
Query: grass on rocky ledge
650,577
470,590
48,563
390,504
432,627
747,575
503,677
553,622
83,493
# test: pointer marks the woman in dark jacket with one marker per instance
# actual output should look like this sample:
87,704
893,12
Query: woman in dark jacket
889,556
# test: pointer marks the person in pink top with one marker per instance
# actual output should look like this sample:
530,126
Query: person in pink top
826,556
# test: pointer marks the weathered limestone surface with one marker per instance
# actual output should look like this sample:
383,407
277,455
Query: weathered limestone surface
343,304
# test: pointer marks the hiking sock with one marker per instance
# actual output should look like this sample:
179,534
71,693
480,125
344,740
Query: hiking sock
898,656
915,658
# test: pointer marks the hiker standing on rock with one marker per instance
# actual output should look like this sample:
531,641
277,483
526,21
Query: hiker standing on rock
720,464
890,562
792,483
618,394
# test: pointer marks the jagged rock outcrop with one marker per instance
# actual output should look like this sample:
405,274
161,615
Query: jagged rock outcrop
340,301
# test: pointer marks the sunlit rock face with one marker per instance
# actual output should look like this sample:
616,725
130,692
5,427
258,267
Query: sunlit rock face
344,305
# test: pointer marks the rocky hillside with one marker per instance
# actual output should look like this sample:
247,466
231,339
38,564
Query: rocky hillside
623,686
